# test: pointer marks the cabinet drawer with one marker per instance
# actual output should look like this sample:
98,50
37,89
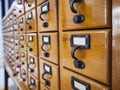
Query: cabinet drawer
49,46
88,53
23,58
33,83
31,21
33,65
49,75
29,4
20,7
22,24
23,38
85,14
24,75
45,17
16,30
32,43
73,81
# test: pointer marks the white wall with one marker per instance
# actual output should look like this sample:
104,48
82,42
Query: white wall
1,39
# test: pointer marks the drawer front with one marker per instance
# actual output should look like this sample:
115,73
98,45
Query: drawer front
45,17
20,7
85,14
23,38
49,49
33,83
23,58
73,81
33,65
22,24
88,52
31,21
24,75
29,4
16,30
32,44
49,75
16,41
42,87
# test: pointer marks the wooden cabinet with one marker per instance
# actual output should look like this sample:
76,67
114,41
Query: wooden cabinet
62,44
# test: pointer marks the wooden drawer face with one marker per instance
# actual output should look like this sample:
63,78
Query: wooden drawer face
16,41
88,53
32,44
20,6
23,38
33,65
16,31
49,73
24,75
23,58
42,87
29,4
49,51
73,81
33,83
31,21
46,17
22,24
86,14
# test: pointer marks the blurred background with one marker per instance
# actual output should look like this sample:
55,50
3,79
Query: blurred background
4,6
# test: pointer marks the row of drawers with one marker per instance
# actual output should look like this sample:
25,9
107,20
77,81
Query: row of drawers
96,58
98,17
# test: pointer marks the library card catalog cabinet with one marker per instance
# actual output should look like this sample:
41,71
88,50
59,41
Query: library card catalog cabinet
62,44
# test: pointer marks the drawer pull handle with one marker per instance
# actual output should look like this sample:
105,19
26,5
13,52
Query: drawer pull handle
77,63
72,5
47,83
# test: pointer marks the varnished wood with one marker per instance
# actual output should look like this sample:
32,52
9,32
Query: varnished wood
22,26
35,72
32,44
66,81
31,22
115,45
23,59
29,5
97,14
53,47
36,82
20,7
42,87
23,42
97,58
53,78
25,76
48,17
